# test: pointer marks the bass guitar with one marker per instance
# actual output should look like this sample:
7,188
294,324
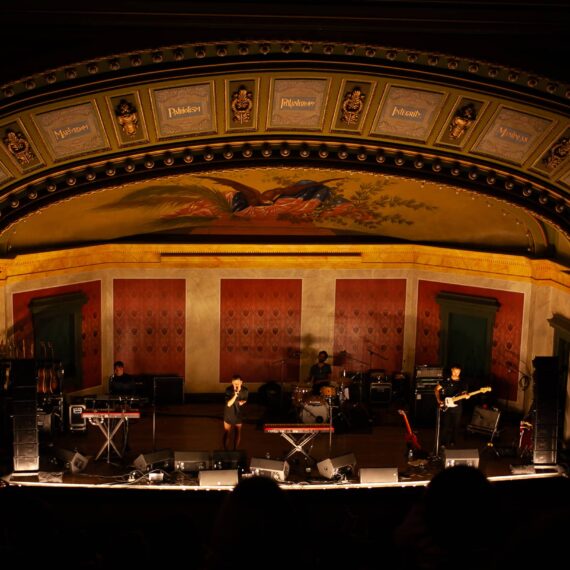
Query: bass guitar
451,402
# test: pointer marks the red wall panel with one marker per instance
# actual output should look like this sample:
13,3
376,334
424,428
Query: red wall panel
149,325
260,329
369,323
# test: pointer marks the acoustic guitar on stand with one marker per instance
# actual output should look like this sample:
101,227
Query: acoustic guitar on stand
451,402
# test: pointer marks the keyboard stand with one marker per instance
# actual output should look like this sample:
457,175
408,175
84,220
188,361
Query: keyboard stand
109,423
299,443
298,435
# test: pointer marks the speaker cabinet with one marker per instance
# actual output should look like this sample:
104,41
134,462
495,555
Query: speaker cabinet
425,407
379,475
484,421
230,460
278,470
23,382
168,390
155,460
218,478
454,457
548,395
335,467
380,393
72,460
192,460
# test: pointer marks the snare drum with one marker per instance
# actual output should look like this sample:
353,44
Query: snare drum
300,392
314,413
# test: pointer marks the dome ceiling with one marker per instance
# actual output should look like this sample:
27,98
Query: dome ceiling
285,140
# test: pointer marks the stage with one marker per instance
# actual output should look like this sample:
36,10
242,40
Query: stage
110,513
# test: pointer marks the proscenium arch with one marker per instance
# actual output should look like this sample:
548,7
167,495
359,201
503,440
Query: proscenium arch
222,65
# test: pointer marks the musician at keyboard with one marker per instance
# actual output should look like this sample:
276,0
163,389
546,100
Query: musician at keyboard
121,383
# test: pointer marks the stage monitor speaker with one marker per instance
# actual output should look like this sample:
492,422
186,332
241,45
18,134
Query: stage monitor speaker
156,460
378,474
484,419
230,460
72,460
192,460
278,470
218,478
454,457
334,468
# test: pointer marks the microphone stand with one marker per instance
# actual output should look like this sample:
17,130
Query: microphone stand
437,430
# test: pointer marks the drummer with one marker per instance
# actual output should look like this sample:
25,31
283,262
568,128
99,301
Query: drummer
320,373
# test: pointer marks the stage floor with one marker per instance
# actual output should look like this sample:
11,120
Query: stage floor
108,514
375,435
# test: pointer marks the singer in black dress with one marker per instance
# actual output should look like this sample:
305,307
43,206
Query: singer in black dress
235,398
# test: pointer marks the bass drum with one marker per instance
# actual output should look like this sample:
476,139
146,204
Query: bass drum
316,413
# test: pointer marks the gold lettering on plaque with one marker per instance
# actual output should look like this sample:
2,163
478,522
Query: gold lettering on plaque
352,106
242,104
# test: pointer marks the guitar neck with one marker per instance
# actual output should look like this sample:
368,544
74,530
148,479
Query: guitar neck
468,395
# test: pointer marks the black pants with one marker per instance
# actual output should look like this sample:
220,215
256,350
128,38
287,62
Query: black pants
450,423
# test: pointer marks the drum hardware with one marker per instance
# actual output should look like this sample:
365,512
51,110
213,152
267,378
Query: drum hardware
300,391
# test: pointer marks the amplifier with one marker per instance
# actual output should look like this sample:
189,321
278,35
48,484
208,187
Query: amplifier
278,470
429,372
380,393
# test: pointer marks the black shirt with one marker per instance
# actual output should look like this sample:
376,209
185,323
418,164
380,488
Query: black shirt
320,373
451,388
232,414
123,385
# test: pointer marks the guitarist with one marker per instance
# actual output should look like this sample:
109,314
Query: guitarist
450,387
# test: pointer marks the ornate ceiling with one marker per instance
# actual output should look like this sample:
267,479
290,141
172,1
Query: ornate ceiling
285,140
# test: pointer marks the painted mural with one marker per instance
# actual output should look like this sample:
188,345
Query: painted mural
275,202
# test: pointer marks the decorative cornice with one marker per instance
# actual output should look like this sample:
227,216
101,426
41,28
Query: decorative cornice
155,62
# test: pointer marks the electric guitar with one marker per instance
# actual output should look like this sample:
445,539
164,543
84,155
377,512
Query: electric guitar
411,437
450,402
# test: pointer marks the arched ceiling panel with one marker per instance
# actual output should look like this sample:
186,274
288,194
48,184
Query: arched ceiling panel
461,137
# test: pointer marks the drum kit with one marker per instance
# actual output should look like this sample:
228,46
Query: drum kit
314,408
